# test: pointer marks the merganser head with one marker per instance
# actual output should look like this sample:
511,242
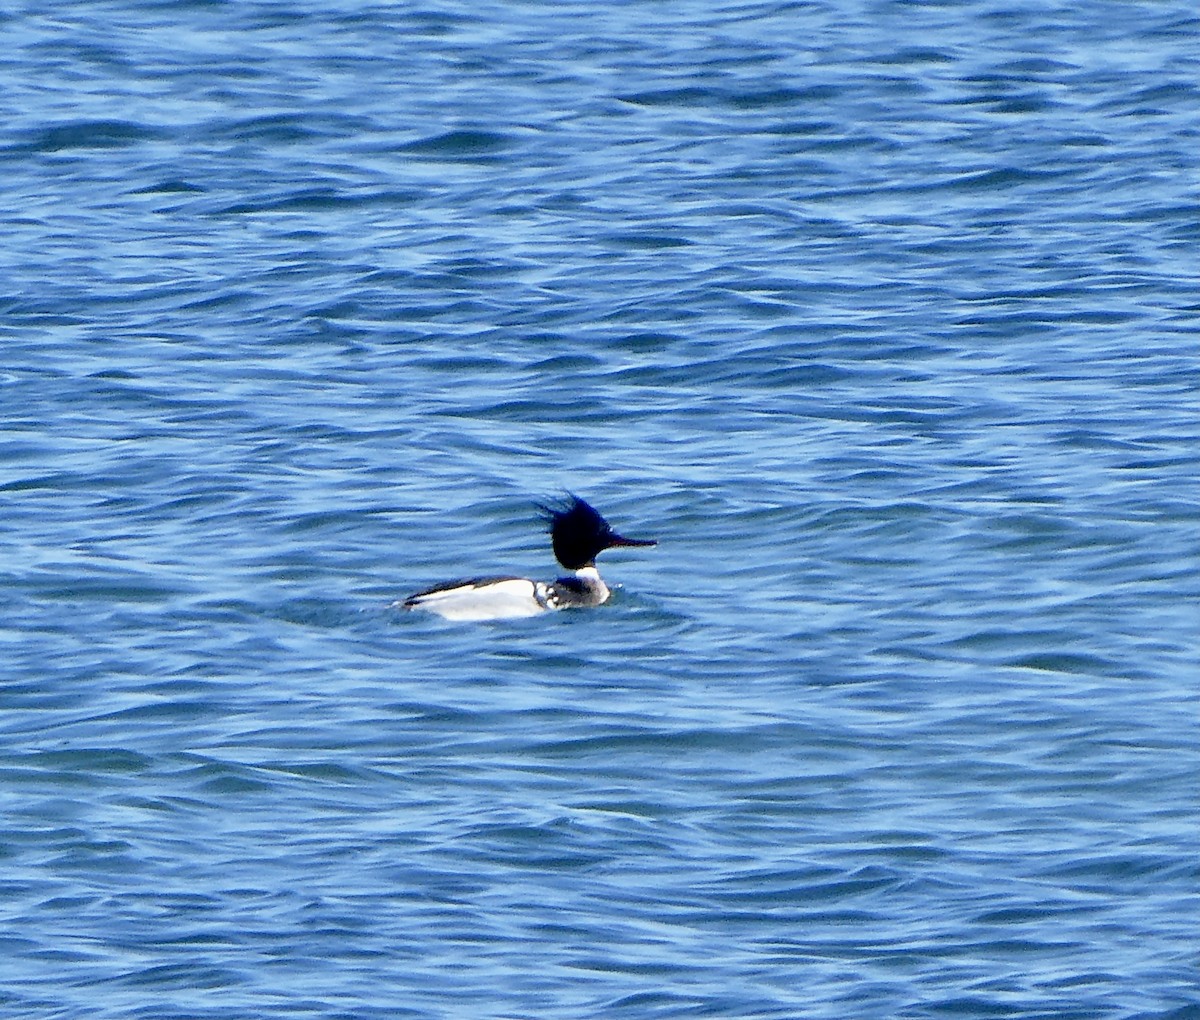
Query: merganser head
578,533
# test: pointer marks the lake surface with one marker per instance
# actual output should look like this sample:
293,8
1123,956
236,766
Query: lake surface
882,317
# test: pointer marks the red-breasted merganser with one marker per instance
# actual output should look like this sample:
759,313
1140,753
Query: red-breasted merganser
578,534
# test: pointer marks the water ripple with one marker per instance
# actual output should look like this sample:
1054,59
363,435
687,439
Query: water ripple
880,320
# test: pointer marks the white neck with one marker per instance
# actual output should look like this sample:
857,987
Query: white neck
591,577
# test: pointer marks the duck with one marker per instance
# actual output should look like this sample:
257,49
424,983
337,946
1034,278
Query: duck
578,534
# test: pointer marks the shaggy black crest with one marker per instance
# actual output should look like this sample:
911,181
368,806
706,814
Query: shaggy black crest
578,532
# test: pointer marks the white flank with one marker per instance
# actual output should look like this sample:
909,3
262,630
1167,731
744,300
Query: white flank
500,600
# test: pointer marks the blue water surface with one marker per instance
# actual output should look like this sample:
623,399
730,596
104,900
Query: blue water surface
881,316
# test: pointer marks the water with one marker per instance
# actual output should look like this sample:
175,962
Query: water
881,317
